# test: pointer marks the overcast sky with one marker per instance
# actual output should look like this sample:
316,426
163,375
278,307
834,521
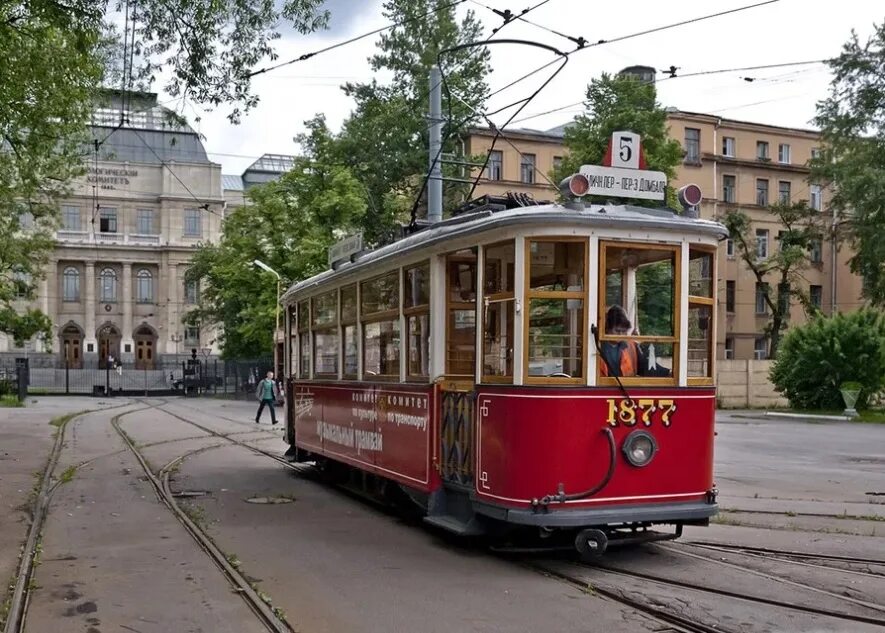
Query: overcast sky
786,31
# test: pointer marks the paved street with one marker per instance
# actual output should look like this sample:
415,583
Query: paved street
115,558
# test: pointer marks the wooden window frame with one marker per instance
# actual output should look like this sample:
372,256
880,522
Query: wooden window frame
343,323
693,300
304,373
376,317
530,294
325,328
415,311
646,381
497,297
460,306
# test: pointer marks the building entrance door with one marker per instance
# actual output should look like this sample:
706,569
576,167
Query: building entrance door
145,348
108,345
71,347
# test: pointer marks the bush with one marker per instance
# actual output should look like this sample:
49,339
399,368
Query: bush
816,358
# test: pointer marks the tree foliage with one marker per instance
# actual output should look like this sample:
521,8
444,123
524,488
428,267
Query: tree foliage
51,64
620,104
818,357
289,225
384,141
852,123
781,270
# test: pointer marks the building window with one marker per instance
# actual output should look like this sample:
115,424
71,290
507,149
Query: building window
816,252
26,220
527,168
192,223
191,291
495,170
728,146
729,348
107,220
781,242
557,162
70,218
783,153
784,191
144,286
71,284
692,145
762,150
729,295
816,295
761,348
728,188
816,202
761,293
815,152
192,335
108,285
761,243
22,281
729,247
145,222
762,192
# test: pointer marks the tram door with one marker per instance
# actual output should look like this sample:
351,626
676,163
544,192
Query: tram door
456,428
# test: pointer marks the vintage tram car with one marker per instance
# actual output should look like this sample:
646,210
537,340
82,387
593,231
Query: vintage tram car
469,365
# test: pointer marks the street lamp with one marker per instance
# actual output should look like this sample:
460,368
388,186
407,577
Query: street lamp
265,267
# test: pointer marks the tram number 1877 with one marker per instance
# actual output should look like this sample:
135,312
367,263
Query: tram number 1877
641,411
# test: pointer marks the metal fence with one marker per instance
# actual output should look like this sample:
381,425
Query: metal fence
173,376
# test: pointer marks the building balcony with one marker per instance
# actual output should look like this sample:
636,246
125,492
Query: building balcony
134,239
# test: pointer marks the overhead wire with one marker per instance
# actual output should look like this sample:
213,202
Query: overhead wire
351,40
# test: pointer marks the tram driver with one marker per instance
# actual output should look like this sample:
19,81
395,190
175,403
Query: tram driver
626,358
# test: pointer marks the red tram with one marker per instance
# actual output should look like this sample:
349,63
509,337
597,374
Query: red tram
469,365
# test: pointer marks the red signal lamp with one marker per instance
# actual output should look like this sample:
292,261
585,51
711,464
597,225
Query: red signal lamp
575,186
690,195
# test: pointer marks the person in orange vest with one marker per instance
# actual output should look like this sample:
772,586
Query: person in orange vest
621,358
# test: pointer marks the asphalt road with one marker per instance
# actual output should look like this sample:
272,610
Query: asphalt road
113,558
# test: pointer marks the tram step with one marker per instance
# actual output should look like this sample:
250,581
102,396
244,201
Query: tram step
456,525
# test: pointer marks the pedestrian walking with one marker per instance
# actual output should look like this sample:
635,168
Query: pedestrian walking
268,394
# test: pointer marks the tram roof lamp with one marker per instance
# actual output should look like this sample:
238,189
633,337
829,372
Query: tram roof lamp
575,186
689,196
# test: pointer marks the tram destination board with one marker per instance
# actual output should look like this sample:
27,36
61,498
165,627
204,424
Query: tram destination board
617,182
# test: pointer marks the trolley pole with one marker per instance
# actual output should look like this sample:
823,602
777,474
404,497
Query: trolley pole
434,184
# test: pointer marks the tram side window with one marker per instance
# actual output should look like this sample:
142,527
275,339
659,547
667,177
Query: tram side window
637,319
379,311
349,331
461,325
700,314
556,322
293,340
498,312
304,339
417,315
325,334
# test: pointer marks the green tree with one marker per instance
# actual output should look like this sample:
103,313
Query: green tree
784,263
620,103
56,57
852,124
818,357
289,225
385,140
50,68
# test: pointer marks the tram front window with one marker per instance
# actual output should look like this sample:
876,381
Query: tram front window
556,323
638,317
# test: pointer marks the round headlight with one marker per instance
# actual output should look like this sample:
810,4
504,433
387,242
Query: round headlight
639,448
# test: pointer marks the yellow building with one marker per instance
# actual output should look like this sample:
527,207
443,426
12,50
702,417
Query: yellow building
737,164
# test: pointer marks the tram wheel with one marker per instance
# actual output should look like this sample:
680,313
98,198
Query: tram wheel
591,543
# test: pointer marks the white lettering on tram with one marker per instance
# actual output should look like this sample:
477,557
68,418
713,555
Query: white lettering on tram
404,419
349,437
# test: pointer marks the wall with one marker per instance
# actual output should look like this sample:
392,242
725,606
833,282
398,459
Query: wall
744,384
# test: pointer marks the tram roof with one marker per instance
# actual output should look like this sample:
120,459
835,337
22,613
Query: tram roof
626,217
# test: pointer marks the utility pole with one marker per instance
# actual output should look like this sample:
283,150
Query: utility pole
434,184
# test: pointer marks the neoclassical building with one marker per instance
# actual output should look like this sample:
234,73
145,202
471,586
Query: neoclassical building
116,284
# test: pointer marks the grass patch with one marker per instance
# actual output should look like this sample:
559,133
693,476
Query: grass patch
10,401
68,474
875,416
60,420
